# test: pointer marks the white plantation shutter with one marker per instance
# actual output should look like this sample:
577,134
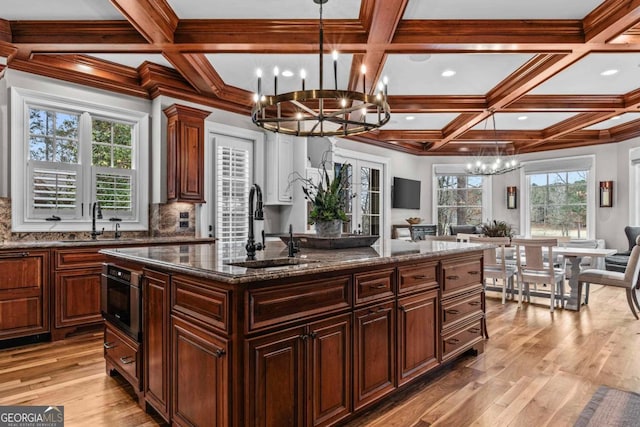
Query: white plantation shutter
114,188
232,194
55,189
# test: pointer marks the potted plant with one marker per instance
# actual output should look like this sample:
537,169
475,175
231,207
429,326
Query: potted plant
497,228
328,198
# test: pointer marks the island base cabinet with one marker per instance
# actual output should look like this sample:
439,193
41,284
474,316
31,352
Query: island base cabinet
374,353
311,363
417,335
200,376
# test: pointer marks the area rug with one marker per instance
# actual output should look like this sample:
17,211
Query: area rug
611,407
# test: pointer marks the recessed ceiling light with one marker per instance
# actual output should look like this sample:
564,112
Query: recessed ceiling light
615,118
610,72
523,118
419,57
448,73
410,118
287,73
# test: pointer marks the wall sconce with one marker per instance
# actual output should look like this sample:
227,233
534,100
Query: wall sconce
512,197
606,194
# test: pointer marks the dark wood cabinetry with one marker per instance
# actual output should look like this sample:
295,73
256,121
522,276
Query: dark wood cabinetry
24,293
155,327
76,289
185,154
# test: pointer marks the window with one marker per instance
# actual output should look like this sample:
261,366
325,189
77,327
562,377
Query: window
75,154
558,204
634,187
233,178
459,200
560,198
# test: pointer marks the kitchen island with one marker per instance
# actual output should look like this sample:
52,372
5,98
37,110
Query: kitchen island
310,342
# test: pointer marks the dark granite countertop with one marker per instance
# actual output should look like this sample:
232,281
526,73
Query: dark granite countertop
210,261
39,244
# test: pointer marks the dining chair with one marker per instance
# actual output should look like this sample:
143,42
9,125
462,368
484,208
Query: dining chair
464,237
533,269
495,267
627,280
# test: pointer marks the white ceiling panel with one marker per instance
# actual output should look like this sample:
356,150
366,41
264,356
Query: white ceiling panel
517,121
240,70
429,121
62,10
499,9
613,122
132,60
475,73
584,77
264,9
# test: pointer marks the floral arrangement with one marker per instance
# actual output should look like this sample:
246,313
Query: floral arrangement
497,228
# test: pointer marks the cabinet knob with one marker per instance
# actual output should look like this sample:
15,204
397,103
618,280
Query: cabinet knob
402,308
313,335
219,352
303,337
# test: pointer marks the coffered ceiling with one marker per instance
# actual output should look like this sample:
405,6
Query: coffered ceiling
557,74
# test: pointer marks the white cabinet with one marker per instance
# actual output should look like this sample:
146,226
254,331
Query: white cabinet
279,169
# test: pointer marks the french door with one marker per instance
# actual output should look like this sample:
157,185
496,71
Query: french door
365,197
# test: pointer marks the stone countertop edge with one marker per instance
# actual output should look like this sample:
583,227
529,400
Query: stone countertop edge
39,244
240,275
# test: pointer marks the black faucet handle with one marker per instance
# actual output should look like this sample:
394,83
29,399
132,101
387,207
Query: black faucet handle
264,245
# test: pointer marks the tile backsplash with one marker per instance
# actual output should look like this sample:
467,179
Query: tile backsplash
164,221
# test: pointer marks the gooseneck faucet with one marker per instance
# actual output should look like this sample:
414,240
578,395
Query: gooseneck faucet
258,215
293,247
96,212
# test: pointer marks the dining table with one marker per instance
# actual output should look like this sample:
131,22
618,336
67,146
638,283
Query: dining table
575,256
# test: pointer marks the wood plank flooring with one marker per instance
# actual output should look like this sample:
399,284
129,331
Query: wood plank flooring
538,369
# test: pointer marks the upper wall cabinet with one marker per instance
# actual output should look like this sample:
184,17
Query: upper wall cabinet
279,169
185,154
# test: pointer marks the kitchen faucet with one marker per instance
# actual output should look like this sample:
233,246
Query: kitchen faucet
117,234
258,215
96,212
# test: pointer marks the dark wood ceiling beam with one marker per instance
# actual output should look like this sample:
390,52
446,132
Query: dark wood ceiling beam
5,31
436,103
7,51
74,36
611,19
84,70
546,103
154,19
385,18
568,126
481,31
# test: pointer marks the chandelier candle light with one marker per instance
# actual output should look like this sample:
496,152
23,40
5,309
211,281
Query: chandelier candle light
321,112
492,165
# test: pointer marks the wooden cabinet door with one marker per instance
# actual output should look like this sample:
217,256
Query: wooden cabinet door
185,153
24,293
374,353
275,394
155,326
200,376
329,371
77,297
418,335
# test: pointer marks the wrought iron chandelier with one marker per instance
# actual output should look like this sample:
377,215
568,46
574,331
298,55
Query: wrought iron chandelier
321,112
492,164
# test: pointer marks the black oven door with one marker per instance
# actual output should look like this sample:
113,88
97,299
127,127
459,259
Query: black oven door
120,299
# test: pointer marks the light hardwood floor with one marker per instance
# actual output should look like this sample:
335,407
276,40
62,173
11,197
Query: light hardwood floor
538,369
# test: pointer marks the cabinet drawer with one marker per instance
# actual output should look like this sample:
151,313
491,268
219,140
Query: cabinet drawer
458,277
272,305
122,352
461,339
374,286
418,276
456,310
78,258
200,302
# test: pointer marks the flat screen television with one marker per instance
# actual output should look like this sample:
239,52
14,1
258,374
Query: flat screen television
405,193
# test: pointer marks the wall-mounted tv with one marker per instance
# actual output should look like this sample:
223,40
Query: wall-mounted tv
405,193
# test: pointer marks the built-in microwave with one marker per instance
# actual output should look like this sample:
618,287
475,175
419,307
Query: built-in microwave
121,299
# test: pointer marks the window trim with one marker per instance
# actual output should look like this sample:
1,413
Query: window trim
634,186
587,162
20,101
